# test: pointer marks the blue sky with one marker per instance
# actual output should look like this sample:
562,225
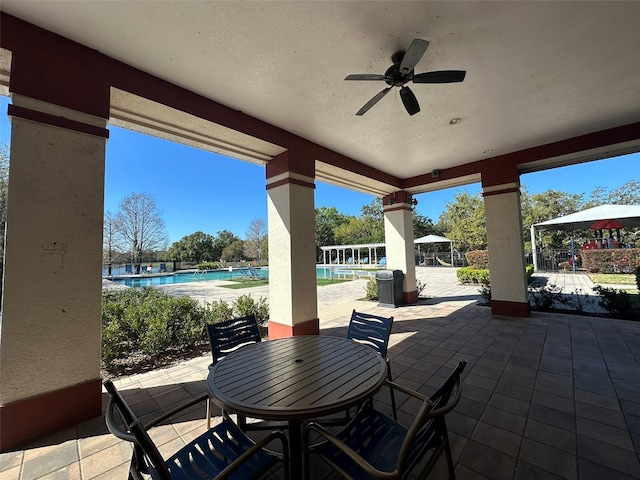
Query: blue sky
197,190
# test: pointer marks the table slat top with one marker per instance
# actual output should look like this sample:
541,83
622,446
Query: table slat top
296,377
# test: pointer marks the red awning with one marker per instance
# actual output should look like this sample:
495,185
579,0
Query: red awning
606,224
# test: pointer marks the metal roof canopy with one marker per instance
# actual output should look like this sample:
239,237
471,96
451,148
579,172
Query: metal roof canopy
628,215
433,239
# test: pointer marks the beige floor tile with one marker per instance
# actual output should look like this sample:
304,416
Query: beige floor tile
106,459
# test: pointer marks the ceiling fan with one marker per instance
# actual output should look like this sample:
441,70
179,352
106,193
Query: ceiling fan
401,72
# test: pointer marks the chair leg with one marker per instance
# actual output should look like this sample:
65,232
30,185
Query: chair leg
447,451
208,414
393,396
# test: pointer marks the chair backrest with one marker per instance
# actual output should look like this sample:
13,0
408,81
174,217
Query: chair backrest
225,337
428,428
371,330
122,422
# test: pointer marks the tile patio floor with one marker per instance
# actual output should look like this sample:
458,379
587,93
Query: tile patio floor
551,396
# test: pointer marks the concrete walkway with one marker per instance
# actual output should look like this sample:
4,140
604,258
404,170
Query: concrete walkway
441,284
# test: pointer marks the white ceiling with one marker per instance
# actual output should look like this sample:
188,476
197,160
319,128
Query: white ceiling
537,72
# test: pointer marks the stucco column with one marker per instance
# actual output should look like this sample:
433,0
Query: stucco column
398,233
50,330
509,293
293,297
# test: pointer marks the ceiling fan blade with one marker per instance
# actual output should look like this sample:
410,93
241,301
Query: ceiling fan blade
442,76
409,100
365,108
413,55
365,76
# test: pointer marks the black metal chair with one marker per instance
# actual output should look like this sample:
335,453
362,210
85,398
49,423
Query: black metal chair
374,330
226,337
375,446
221,452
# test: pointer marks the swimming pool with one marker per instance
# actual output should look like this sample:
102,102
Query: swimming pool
204,276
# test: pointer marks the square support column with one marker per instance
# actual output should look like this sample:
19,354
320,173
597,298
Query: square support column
509,289
400,249
51,312
293,297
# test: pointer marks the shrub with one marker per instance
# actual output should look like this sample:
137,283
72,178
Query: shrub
371,289
577,300
616,302
545,297
529,271
485,292
245,305
208,266
149,321
420,286
638,278
218,311
614,260
478,259
472,275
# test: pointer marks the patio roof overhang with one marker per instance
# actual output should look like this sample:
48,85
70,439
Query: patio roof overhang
544,88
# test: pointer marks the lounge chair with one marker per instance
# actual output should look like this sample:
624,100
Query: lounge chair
255,274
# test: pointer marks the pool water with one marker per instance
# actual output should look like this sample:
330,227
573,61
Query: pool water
204,276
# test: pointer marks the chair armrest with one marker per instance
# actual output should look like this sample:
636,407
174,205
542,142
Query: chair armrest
173,411
408,391
439,412
352,454
229,469
114,427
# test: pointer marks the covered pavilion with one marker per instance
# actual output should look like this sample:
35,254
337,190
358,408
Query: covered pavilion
627,216
264,82
435,239
357,257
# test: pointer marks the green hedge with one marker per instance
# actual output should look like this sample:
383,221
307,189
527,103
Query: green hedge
473,275
614,260
482,276
149,322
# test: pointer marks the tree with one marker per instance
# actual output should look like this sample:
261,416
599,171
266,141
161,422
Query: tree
255,237
422,226
627,194
234,252
197,247
222,241
326,221
140,226
546,206
463,222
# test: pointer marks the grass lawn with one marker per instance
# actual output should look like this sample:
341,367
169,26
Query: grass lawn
613,278
246,283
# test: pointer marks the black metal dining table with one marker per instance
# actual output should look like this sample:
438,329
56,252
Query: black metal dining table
296,379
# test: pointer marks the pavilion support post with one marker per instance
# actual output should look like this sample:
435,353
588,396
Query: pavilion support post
293,302
50,328
400,249
509,289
